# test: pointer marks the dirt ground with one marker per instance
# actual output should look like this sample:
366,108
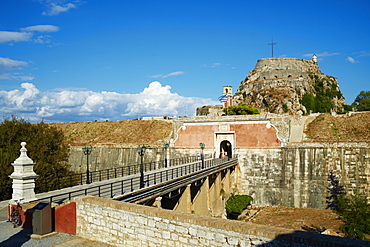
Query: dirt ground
301,219
354,127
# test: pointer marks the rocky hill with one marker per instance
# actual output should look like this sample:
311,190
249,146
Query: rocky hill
278,85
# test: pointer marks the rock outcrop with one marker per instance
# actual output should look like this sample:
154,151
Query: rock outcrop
278,85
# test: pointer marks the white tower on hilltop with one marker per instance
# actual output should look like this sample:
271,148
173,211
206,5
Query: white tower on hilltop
314,58
228,92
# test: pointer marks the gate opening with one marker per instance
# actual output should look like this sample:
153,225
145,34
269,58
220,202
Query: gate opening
226,149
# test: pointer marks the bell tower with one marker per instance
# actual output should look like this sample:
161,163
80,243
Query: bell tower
228,92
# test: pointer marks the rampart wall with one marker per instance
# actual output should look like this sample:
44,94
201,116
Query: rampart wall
297,176
105,157
124,224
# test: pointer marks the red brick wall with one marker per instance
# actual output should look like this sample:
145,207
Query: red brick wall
195,134
255,135
65,218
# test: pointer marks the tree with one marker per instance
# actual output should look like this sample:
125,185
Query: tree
362,101
241,109
45,146
354,211
335,190
308,100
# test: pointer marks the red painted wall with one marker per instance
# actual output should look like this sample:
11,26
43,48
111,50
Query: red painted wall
246,135
193,135
255,135
65,218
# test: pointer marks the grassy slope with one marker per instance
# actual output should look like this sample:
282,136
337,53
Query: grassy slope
342,128
127,132
325,128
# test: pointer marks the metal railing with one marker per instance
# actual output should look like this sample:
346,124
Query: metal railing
59,182
106,174
132,183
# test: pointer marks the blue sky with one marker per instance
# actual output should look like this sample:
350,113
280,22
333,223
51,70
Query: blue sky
86,60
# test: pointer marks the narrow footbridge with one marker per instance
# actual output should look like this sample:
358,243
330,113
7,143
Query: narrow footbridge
175,185
165,183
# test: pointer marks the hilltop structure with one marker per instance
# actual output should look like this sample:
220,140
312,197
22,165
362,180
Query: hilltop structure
278,85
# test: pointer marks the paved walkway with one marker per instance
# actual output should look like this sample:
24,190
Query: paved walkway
15,237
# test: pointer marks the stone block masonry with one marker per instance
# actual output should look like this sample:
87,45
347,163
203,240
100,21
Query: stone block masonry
297,176
124,224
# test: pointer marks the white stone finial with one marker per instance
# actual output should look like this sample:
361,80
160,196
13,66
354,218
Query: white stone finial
23,177
23,158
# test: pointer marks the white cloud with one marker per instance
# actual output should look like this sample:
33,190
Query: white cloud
10,64
7,64
56,8
352,60
6,36
213,65
41,28
27,34
176,73
43,39
362,53
323,54
8,76
84,105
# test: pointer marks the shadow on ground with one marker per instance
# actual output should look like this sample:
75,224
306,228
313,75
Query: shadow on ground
18,239
300,238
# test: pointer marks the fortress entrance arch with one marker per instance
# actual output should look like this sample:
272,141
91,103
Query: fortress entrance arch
225,143
226,149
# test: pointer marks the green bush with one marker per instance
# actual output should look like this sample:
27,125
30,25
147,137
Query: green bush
285,108
354,211
236,204
322,102
242,109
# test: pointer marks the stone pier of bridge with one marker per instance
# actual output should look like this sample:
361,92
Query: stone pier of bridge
204,197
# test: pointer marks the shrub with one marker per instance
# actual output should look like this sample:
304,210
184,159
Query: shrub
236,204
242,109
354,211
285,107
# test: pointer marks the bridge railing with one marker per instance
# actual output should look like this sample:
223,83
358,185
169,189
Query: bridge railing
132,183
44,185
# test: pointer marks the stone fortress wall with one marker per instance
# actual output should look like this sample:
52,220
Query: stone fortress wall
279,72
297,175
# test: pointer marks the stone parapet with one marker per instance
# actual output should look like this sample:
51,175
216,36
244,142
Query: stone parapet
123,224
